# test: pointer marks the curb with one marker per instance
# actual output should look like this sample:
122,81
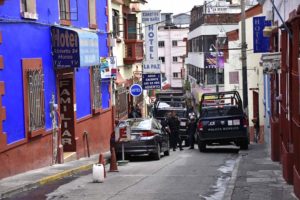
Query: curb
44,181
231,184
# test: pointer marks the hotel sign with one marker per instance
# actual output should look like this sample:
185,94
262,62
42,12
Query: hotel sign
74,47
260,43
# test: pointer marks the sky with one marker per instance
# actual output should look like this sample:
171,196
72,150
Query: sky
172,6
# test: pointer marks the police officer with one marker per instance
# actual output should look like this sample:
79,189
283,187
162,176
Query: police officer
192,126
174,125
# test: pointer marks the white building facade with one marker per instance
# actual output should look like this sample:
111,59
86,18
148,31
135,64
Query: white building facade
172,49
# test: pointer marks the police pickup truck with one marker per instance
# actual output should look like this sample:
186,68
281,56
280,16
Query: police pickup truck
222,120
168,101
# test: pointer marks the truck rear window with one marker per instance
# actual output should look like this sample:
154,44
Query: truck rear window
221,111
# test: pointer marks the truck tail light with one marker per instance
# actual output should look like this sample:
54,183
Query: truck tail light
200,126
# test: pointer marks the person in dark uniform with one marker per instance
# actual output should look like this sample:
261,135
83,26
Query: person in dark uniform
191,129
174,125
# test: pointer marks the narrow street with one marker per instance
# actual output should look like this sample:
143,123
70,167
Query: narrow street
186,174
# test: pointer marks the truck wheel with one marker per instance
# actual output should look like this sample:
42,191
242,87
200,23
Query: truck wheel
244,145
201,146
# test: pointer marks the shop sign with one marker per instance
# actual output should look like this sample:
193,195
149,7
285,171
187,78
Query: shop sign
150,16
210,60
151,66
74,47
260,43
151,81
108,66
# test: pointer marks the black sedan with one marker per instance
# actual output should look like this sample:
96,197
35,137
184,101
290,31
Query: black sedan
147,137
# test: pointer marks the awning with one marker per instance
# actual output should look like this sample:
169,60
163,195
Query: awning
73,47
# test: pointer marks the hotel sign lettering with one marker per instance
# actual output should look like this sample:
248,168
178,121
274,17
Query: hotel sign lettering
74,48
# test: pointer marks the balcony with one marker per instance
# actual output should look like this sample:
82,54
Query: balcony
133,51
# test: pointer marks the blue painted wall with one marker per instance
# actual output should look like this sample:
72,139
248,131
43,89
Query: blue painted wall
31,39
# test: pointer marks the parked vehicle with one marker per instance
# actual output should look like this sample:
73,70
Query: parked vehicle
168,101
147,136
160,113
222,120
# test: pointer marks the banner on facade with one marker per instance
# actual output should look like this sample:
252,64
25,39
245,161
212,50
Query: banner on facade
151,81
108,67
260,43
151,66
210,60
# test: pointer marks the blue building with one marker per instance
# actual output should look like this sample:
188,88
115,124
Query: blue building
52,49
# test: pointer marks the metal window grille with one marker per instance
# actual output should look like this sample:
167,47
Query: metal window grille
122,103
36,99
97,101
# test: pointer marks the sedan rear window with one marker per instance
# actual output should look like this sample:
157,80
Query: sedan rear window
141,125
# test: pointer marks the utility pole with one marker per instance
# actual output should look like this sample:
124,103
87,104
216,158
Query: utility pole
244,57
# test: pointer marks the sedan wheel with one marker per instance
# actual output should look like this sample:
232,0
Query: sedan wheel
167,152
157,153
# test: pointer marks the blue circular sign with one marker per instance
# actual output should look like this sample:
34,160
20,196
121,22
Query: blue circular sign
135,90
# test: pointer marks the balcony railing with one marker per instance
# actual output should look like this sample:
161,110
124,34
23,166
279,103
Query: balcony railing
133,51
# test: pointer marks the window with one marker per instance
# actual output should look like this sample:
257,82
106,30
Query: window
175,59
161,43
115,22
92,14
162,59
175,75
28,9
64,8
132,26
96,88
174,43
34,96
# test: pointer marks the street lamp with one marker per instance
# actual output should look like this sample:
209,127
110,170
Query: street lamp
221,39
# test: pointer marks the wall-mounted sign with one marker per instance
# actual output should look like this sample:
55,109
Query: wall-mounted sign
210,60
151,66
74,47
135,90
150,16
108,66
151,81
260,43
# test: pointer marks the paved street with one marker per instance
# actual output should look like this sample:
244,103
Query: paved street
186,174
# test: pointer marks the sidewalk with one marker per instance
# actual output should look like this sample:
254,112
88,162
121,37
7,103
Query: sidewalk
257,177
32,179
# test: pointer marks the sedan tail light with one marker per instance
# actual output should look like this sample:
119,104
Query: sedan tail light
147,134
200,126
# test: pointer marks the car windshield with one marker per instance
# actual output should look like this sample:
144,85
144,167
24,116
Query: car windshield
141,125
220,111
